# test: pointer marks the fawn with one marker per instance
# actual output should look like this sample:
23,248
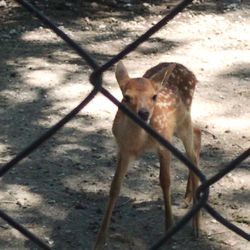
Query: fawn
162,98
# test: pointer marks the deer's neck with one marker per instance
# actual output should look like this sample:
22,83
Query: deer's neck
129,135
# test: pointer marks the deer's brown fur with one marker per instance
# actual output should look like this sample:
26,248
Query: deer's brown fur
163,98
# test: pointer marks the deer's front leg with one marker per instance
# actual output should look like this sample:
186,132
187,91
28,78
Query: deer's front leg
165,159
121,170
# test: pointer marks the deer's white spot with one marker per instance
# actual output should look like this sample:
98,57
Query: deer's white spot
188,101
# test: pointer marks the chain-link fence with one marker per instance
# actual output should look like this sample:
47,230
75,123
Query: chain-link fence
96,81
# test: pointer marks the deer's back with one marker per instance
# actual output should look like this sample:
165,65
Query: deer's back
181,82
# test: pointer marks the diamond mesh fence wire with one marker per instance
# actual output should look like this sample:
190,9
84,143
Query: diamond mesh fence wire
97,82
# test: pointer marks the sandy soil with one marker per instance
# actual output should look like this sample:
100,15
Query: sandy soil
59,192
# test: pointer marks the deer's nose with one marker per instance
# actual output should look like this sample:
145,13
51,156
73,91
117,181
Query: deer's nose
143,113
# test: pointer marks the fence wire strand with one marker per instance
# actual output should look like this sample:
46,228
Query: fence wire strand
96,80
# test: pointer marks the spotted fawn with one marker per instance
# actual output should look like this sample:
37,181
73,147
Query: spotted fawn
162,98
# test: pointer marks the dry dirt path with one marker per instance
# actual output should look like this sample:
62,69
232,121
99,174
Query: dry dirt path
59,191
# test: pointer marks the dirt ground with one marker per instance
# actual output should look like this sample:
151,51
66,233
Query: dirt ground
59,192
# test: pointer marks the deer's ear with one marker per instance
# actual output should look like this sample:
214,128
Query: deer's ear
161,77
121,75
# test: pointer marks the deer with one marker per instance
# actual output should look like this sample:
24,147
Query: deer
162,97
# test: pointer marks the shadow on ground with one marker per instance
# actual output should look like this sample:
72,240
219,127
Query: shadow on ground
59,191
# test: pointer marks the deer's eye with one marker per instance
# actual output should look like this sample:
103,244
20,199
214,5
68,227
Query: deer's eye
154,97
126,98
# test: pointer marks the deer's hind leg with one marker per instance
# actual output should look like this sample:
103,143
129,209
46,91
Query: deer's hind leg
191,138
197,147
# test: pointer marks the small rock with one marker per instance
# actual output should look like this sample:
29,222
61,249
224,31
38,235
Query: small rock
51,242
102,26
61,27
214,221
128,6
13,32
3,4
69,5
146,5
87,20
94,5
112,19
